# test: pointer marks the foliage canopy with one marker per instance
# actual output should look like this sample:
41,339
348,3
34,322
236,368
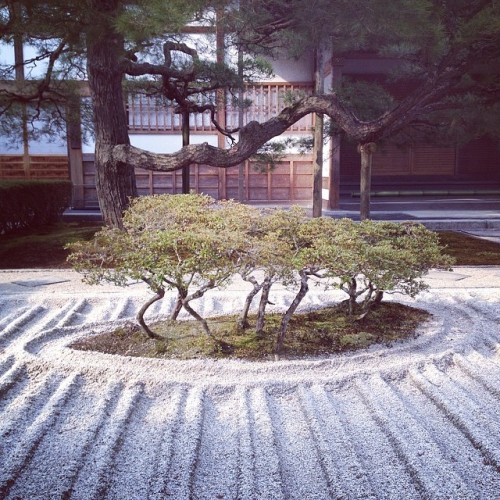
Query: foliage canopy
192,244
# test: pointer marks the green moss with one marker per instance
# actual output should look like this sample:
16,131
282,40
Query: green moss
356,340
325,331
43,247
470,251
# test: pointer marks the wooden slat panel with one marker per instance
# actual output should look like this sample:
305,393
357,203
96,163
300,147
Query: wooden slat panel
391,160
281,168
303,181
39,167
257,180
280,194
148,113
279,180
281,184
428,160
162,181
231,181
303,167
302,194
257,194
208,181
479,159
11,167
232,193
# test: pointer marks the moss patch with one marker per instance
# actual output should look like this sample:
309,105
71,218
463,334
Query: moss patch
44,247
320,332
470,251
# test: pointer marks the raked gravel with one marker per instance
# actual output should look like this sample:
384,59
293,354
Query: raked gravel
419,419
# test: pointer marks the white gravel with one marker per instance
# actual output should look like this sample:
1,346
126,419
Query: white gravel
417,420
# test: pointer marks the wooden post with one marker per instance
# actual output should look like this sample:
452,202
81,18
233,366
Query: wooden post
241,166
19,75
334,187
75,153
185,142
366,151
318,167
317,194
221,96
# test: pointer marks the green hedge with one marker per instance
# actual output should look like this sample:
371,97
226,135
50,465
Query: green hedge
28,204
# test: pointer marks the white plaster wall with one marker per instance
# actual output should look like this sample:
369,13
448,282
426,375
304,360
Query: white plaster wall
6,53
161,143
204,44
9,147
292,70
290,150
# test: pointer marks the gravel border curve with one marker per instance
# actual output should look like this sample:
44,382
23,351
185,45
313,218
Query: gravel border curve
417,420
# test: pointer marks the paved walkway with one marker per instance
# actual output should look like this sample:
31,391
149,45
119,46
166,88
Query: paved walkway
471,212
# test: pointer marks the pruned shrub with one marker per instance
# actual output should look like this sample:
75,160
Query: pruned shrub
192,244
30,204
188,243
369,259
269,257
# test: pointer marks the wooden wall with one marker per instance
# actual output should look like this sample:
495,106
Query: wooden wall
289,182
33,167
391,160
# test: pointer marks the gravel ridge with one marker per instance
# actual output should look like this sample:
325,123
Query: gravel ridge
416,420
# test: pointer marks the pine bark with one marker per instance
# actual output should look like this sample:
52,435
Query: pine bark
261,313
304,287
115,177
243,319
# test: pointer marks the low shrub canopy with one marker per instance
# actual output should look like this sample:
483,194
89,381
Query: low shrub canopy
30,204
192,243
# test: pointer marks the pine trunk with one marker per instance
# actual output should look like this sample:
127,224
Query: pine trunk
304,287
140,315
261,313
243,319
115,179
317,209
185,142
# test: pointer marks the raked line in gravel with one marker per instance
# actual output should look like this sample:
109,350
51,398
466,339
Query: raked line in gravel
415,420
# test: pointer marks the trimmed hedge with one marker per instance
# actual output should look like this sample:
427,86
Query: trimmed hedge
29,204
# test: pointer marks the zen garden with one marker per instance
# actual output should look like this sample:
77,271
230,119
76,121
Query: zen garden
249,249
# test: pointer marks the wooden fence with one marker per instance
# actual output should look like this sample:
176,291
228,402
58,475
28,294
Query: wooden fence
289,182
34,167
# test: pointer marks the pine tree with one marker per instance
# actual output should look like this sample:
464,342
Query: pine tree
439,45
